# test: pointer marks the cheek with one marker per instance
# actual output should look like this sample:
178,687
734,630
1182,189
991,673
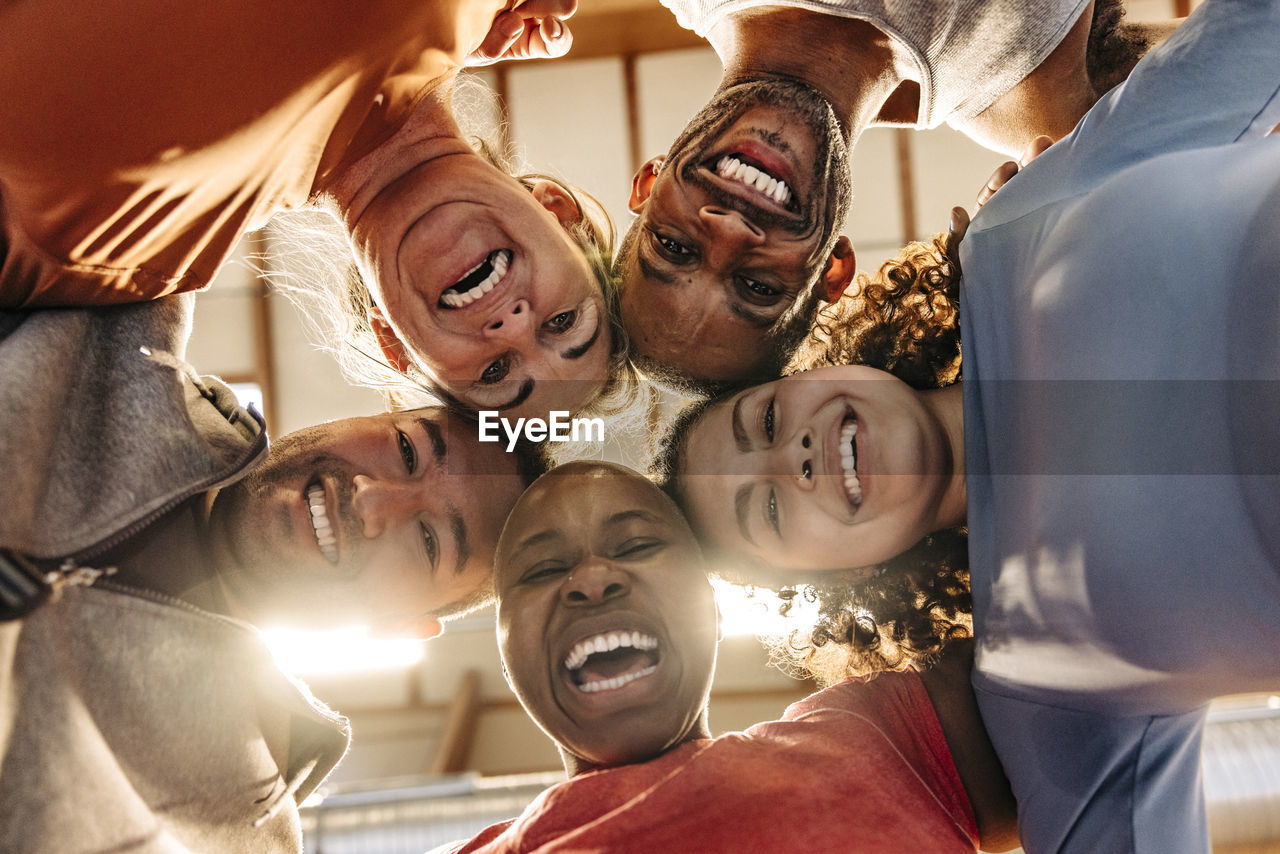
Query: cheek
451,356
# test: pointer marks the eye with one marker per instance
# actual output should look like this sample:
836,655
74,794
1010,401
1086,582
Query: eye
671,247
407,452
562,322
767,421
771,511
544,571
496,372
430,544
760,288
639,547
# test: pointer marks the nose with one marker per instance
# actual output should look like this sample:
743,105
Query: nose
511,322
794,459
380,504
730,230
593,582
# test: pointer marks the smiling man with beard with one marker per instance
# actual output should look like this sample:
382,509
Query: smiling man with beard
608,631
736,246
147,528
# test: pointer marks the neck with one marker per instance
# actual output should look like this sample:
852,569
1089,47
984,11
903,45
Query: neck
429,132
947,407
855,66
575,765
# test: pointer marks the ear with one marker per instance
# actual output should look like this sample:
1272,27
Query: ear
392,347
642,183
558,200
839,271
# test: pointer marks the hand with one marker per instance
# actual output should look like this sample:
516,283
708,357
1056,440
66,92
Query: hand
1005,171
530,29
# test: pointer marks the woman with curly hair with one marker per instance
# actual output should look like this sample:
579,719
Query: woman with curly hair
139,142
1111,448
900,607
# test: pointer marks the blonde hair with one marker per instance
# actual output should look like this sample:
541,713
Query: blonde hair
311,261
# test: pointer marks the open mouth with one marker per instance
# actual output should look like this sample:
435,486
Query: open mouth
738,168
320,523
849,459
610,660
477,281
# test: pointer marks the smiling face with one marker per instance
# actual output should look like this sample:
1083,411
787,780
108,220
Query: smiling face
831,469
378,520
734,233
606,622
482,286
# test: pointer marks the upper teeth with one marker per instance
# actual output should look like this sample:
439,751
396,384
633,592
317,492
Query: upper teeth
320,522
498,260
849,460
735,169
605,643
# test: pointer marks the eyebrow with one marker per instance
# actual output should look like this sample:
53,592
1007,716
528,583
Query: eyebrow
628,515
741,502
521,396
739,431
436,436
581,350
459,529
536,540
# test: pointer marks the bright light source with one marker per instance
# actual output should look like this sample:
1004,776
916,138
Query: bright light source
755,611
341,651
249,394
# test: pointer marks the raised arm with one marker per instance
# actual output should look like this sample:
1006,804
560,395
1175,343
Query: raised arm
947,684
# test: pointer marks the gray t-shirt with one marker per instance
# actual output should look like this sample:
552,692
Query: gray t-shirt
968,53
1121,328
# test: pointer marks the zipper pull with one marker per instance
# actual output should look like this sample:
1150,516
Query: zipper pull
71,575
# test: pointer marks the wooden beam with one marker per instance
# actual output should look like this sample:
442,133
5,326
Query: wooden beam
460,727
635,155
264,342
906,182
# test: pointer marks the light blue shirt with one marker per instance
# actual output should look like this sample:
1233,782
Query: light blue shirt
1121,329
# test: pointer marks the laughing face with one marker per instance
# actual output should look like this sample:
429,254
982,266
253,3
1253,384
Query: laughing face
381,520
837,468
734,243
606,622
480,285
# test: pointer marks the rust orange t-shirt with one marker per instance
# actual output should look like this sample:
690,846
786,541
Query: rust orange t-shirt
861,766
140,139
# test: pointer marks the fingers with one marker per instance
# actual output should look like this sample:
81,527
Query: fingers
514,35
1009,168
1038,146
998,179
503,32
562,9
959,224
543,39
532,29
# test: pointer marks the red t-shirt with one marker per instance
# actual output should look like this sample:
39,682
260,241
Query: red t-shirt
861,766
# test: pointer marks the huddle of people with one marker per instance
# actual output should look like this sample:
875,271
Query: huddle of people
1037,564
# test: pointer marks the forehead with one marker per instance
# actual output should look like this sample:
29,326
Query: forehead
582,503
